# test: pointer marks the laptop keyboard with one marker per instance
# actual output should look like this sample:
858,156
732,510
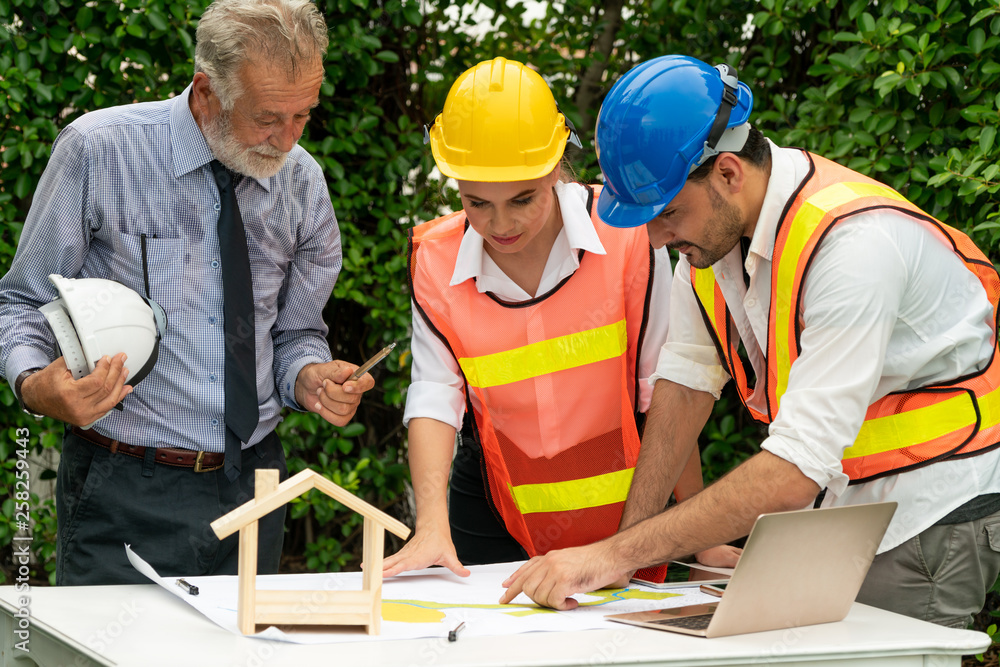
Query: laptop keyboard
686,622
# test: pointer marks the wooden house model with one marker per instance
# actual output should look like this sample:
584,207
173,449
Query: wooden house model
269,607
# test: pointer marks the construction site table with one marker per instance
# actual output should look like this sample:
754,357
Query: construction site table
143,625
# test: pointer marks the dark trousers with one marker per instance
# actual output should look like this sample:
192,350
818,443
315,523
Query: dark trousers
105,500
478,534
941,575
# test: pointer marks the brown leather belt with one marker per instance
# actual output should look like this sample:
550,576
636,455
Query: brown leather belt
171,456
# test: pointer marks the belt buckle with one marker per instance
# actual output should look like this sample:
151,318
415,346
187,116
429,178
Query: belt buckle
198,466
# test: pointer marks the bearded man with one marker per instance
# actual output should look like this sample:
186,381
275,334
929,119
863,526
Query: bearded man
205,204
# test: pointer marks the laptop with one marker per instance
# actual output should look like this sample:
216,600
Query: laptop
798,568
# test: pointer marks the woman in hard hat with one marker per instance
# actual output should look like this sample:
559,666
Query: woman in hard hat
537,324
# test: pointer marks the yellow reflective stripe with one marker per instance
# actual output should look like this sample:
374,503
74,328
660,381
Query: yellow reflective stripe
547,356
704,287
574,494
989,410
913,427
801,229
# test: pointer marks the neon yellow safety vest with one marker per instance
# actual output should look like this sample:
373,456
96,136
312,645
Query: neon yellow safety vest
902,430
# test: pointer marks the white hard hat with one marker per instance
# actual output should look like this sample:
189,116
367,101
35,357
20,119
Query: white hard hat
93,317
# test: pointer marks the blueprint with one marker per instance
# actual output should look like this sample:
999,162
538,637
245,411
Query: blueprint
427,603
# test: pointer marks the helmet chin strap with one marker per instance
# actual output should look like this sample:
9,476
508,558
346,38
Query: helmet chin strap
718,134
160,317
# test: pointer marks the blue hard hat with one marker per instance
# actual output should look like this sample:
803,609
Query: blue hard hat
659,121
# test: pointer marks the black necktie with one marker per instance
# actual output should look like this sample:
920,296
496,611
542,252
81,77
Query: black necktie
242,413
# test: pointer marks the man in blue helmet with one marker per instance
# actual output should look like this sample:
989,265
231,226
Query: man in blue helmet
869,331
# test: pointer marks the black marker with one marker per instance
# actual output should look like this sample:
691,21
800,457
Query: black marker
453,634
190,588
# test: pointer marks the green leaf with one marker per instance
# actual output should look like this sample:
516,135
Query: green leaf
971,170
939,179
44,91
23,185
981,14
157,20
411,12
367,123
352,430
83,17
387,56
913,87
990,67
986,138
916,140
936,113
841,60
867,23
138,56
952,75
847,37
938,79
977,38
885,125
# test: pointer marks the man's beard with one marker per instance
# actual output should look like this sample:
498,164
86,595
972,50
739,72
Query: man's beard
722,234
260,161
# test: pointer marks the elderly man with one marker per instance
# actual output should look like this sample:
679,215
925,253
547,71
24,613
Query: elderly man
205,204
869,325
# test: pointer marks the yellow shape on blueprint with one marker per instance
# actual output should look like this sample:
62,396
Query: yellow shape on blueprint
406,613
424,611
614,594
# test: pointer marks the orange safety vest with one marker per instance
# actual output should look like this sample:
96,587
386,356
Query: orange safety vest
551,381
902,430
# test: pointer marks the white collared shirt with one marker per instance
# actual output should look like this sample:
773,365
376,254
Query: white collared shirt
886,307
437,387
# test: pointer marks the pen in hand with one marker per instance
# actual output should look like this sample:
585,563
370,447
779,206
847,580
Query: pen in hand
368,365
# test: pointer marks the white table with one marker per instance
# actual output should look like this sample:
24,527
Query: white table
144,625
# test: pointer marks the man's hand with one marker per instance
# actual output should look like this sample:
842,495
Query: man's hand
723,555
427,547
325,390
54,392
551,579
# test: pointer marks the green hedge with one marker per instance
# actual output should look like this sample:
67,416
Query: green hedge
904,91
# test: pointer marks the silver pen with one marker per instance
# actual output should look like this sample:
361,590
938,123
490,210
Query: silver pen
377,357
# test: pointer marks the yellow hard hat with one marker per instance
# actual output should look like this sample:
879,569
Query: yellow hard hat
500,123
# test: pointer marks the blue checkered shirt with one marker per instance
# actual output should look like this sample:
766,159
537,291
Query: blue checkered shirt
118,173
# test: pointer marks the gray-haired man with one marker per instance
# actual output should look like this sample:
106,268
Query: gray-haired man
141,194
